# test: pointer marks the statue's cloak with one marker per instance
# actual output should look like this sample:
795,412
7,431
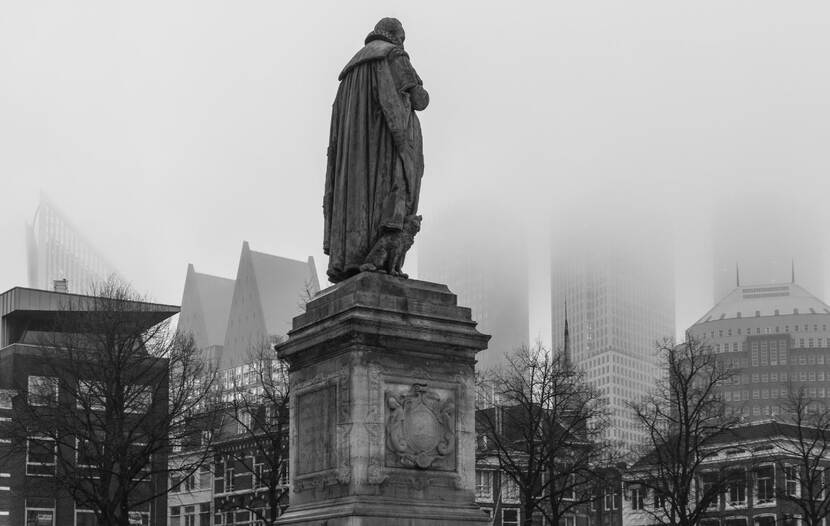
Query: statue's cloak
375,156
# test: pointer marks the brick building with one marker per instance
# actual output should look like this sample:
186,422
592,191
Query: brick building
33,489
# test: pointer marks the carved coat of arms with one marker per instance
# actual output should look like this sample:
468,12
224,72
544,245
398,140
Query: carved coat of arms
420,429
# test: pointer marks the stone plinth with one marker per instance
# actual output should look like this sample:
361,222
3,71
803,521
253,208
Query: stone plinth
383,406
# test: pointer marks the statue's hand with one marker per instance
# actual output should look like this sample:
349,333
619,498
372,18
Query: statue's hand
419,98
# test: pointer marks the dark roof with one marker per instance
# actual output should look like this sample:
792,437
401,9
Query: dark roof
25,307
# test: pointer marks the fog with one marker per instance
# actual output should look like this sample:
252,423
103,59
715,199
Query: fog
169,132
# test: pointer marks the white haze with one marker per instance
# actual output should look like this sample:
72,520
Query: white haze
171,131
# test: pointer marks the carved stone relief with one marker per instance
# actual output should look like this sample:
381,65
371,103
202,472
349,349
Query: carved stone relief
420,428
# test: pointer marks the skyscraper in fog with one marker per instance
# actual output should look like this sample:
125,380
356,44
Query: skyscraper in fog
619,288
57,251
764,238
487,268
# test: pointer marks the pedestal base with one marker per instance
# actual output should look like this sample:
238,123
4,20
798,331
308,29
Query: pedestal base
382,406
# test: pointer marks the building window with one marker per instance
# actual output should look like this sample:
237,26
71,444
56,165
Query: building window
708,483
40,516
175,516
85,455
734,521
40,456
764,486
509,489
791,482
612,499
6,396
138,399
510,517
636,498
204,514
484,484
736,487
204,476
189,516
139,518
43,390
659,500
85,518
243,425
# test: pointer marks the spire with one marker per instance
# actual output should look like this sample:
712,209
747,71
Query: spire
566,355
737,275
792,270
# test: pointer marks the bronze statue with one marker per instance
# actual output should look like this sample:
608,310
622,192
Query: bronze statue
375,158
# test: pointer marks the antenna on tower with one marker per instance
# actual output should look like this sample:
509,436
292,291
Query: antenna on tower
792,270
737,275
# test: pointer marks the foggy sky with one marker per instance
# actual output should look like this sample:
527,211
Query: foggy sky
169,132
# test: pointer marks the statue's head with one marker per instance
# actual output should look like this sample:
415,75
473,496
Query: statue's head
388,29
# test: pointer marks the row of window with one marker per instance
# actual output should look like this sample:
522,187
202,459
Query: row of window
42,452
767,330
225,480
45,516
736,492
190,515
44,390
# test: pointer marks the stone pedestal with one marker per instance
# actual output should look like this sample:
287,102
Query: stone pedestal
383,406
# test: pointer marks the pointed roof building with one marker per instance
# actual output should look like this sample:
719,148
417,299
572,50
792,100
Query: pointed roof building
268,293
206,304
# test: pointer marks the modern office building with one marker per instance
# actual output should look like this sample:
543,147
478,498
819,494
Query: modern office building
775,336
57,251
487,268
40,473
206,305
230,317
269,291
233,319
617,287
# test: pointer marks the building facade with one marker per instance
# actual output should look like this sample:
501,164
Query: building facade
617,294
38,380
775,337
57,251
237,321
755,473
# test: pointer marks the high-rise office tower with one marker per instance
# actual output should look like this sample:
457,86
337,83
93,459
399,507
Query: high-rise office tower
57,251
618,283
776,338
765,238
487,268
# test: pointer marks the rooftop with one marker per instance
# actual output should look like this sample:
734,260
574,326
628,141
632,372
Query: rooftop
765,300
24,309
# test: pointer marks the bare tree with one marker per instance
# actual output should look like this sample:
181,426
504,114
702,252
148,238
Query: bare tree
119,390
685,421
803,456
255,408
545,427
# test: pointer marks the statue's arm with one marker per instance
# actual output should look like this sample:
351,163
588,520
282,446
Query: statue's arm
407,79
